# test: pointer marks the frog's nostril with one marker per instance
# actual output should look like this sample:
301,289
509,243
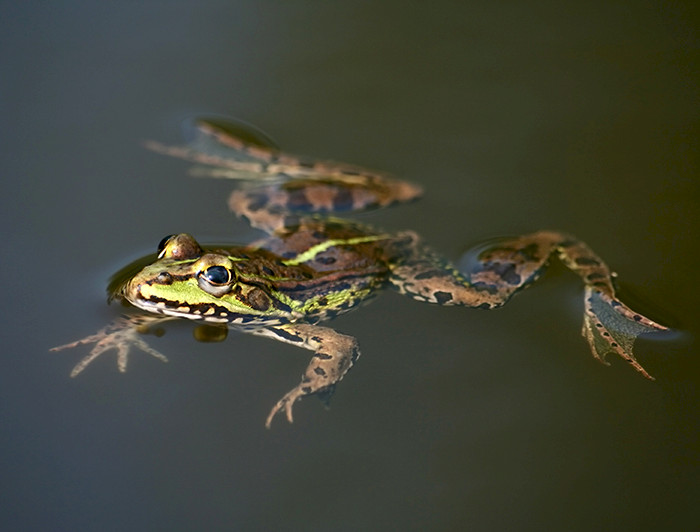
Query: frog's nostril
164,278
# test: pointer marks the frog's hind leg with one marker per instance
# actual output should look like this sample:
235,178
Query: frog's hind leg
335,353
281,205
277,188
500,272
511,265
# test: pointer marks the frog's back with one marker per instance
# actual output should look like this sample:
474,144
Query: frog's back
342,264
327,246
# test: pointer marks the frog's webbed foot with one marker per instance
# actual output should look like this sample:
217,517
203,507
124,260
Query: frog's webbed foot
334,355
120,335
610,326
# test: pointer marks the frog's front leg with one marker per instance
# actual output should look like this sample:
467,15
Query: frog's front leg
513,264
334,355
120,335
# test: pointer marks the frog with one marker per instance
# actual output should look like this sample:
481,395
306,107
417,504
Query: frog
313,264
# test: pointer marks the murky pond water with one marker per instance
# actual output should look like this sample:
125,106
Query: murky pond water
514,118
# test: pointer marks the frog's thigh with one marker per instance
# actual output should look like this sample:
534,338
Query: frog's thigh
258,206
430,281
334,355
499,272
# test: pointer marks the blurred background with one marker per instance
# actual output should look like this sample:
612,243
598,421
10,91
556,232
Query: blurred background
514,116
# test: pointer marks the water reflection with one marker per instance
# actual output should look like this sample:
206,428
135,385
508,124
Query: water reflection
573,116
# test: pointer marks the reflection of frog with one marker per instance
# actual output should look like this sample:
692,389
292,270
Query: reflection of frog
311,268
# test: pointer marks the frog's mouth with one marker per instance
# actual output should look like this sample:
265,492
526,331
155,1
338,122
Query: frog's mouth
138,293
148,295
143,294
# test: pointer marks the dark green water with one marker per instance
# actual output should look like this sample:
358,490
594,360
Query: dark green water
514,116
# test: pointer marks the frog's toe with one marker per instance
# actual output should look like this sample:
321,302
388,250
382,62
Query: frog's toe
284,404
86,361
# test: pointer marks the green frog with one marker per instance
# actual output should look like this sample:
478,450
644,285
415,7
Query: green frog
312,265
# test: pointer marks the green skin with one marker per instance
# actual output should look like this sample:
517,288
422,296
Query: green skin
311,268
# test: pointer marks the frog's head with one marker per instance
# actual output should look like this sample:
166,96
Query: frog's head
187,281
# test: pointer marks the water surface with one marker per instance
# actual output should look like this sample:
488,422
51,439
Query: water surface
514,117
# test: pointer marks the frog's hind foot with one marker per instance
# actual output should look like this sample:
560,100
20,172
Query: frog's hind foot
610,326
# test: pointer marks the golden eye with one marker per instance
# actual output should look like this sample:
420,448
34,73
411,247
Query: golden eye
215,274
179,247
162,244
215,280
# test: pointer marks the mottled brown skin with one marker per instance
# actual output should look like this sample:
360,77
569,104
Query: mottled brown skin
311,268
500,272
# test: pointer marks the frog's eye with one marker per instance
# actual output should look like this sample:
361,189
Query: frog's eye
215,280
217,275
162,244
178,247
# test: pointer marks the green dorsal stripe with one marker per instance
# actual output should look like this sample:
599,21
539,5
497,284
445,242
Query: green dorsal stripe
310,253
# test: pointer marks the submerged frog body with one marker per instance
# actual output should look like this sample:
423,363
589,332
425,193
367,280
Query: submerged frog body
311,268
